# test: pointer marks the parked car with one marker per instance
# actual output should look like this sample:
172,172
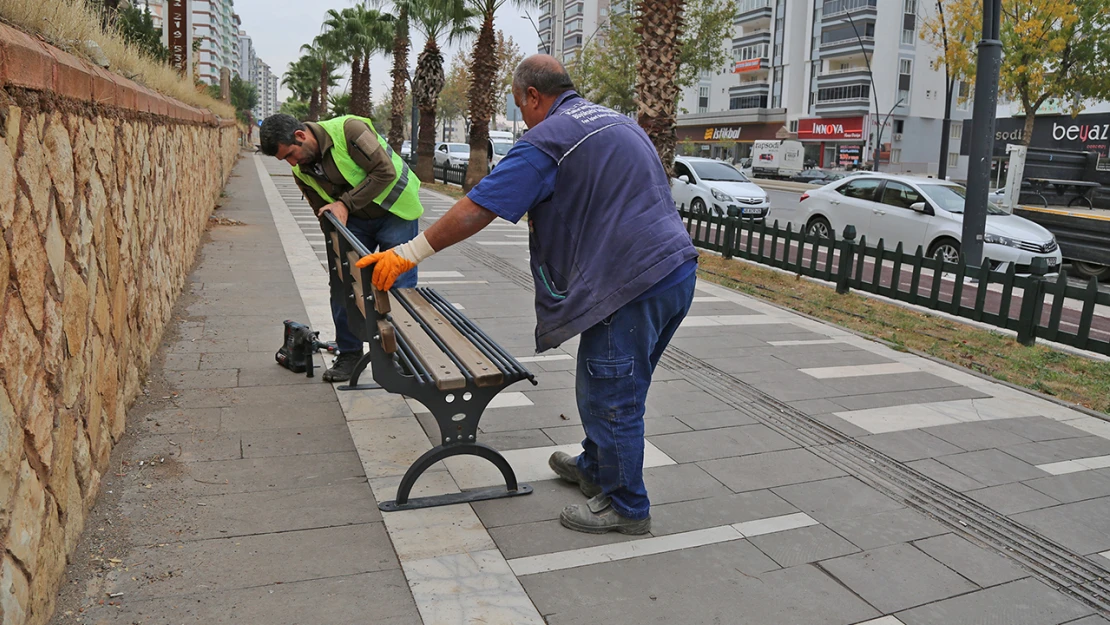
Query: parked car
406,149
916,212
810,175
498,148
833,176
454,154
704,185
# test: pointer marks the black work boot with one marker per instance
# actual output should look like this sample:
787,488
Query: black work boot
566,466
343,367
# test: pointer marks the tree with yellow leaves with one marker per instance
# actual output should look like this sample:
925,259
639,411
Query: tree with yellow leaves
1051,50
951,30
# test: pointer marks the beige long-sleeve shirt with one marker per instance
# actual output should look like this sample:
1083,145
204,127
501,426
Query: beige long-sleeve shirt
365,149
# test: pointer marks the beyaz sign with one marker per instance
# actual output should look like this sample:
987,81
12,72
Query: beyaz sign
715,134
823,129
1081,132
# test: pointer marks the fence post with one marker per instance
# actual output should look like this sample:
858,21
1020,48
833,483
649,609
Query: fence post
1032,303
730,230
847,255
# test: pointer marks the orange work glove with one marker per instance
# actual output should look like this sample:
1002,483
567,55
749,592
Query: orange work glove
388,266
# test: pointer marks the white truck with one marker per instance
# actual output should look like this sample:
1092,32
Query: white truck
777,159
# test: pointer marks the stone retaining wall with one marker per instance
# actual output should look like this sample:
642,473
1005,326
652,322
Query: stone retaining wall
105,192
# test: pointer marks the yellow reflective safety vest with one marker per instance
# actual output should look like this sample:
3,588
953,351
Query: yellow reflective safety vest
401,197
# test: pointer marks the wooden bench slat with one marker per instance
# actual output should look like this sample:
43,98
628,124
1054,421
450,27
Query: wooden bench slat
381,300
485,372
446,375
388,337
335,251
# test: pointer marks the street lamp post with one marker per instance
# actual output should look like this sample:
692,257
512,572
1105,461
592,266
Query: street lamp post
528,17
871,78
987,68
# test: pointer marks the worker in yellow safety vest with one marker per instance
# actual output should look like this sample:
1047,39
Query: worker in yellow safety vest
343,166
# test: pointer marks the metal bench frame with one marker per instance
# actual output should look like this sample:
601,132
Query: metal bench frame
394,326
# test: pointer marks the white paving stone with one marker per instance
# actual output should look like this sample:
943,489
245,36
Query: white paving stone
880,420
855,371
509,399
883,620
1060,468
698,321
440,274
771,525
802,343
435,532
547,358
469,588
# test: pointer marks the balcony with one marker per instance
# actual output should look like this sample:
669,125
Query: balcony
859,105
836,10
749,10
751,87
848,46
856,75
759,35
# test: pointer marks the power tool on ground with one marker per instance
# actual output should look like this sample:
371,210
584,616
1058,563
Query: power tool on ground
301,342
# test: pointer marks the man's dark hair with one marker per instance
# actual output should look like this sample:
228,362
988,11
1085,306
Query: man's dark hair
543,72
278,130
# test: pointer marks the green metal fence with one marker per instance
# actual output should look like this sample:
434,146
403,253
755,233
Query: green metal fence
1031,305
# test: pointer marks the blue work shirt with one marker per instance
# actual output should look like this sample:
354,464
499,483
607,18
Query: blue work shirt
524,178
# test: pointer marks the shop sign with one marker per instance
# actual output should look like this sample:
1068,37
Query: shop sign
848,155
178,31
715,134
830,128
749,65
1089,132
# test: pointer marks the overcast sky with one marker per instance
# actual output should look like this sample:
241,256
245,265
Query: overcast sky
279,28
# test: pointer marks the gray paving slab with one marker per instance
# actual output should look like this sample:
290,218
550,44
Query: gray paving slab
904,398
529,539
802,594
789,385
886,528
837,498
992,467
681,482
1083,526
269,474
212,378
749,364
909,445
1012,498
685,516
764,332
974,436
815,406
188,447
894,382
982,566
830,358
518,439
321,439
1072,487
721,443
711,420
1090,620
349,599
897,577
1058,450
547,500
722,345
1037,428
776,468
843,426
181,362
803,545
242,417
1023,602
176,420
931,468
678,398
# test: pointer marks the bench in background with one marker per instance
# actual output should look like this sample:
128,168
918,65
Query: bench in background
423,348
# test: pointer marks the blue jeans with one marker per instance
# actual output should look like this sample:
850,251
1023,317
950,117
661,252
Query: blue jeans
616,359
376,234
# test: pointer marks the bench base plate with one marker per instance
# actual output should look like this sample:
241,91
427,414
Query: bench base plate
359,387
467,496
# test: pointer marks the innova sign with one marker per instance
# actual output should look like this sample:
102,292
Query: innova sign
821,129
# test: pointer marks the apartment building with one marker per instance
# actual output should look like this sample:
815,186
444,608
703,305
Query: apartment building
266,83
565,27
830,73
246,56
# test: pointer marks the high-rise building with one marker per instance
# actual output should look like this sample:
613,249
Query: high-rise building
246,56
565,27
217,26
266,83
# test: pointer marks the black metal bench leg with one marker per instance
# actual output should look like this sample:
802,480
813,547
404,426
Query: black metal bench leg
352,384
436,454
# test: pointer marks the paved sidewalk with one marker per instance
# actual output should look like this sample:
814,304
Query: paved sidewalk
799,474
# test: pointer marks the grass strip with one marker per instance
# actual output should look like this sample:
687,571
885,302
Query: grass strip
1040,368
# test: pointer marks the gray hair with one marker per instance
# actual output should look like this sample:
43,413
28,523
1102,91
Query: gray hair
278,130
545,73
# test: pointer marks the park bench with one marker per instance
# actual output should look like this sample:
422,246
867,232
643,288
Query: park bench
424,348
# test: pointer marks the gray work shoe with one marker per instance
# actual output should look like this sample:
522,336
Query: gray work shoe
343,367
597,516
566,467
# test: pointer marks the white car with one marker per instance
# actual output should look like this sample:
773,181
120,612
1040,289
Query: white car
703,185
454,154
498,148
406,149
916,212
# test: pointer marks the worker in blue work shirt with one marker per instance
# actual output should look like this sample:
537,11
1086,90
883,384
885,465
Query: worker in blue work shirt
611,261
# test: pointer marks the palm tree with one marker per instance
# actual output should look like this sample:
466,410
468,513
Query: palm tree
400,73
434,19
356,34
483,71
323,55
303,79
659,23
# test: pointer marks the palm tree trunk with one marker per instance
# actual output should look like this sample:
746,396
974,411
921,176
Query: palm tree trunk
367,98
426,89
356,80
323,90
659,23
400,83
314,106
483,71
426,146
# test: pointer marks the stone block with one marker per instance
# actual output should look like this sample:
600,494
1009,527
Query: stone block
102,309
39,419
119,309
31,167
59,159
11,450
5,264
75,308
7,180
55,251
15,592
27,255
20,353
28,509
897,577
53,343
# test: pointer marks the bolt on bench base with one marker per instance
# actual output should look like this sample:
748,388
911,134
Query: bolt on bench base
442,452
